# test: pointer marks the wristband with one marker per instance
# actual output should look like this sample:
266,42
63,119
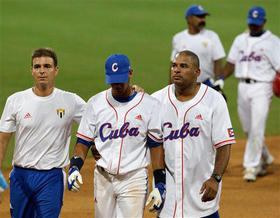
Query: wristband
159,176
220,77
76,161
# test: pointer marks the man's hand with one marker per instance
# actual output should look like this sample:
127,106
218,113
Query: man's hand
209,190
219,83
137,88
158,195
74,176
3,183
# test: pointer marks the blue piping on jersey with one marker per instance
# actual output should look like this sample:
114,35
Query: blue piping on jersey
122,100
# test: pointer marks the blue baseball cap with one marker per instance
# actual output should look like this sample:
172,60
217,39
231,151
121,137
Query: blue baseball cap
195,10
256,16
117,68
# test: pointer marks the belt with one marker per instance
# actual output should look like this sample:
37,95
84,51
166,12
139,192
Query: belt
249,81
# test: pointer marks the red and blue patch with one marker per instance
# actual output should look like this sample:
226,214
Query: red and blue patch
230,132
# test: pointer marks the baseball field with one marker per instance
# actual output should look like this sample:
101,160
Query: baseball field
85,32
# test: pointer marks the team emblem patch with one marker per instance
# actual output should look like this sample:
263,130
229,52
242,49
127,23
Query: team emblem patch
230,132
60,112
205,44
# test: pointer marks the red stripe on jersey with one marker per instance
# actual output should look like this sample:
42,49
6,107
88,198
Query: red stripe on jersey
182,151
84,137
171,100
227,142
182,157
196,103
122,138
155,138
175,209
112,106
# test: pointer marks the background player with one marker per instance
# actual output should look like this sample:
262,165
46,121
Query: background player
121,122
197,135
41,118
203,42
255,57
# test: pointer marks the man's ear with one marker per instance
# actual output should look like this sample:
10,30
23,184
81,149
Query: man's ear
130,74
56,70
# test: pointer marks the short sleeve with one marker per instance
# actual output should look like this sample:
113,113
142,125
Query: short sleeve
8,118
222,131
273,54
79,108
218,49
174,49
154,125
87,127
233,52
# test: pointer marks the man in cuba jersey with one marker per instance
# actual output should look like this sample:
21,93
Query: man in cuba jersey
123,125
42,119
255,58
197,135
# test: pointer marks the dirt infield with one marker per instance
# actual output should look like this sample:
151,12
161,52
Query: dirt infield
239,199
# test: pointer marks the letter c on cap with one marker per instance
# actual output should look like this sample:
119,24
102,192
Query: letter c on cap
115,67
255,14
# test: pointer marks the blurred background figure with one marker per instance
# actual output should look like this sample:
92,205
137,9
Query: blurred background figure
203,42
255,58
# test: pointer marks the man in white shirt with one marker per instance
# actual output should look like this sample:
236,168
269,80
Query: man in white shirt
197,135
41,118
255,58
203,42
125,127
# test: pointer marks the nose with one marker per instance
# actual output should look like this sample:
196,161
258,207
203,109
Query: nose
41,70
176,69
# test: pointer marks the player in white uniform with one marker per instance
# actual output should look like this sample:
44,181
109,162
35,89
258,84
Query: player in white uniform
255,58
197,135
123,124
203,42
41,118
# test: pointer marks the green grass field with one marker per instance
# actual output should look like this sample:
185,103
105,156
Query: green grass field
85,32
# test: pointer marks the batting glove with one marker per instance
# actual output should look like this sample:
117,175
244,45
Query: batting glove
158,195
219,83
3,183
74,176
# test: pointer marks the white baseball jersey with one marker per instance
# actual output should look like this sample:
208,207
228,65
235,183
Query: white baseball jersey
42,126
120,130
256,57
192,131
206,45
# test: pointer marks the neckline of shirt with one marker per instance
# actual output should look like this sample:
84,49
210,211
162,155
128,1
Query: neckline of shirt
191,101
45,98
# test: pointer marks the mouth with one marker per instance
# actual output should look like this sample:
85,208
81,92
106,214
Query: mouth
42,78
201,24
177,78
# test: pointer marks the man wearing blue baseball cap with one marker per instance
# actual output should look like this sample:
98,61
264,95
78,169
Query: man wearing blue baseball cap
124,127
255,58
203,42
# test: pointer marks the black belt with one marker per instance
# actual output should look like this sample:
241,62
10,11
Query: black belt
247,80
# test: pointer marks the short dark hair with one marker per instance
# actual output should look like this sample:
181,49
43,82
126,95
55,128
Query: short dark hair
44,52
193,56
